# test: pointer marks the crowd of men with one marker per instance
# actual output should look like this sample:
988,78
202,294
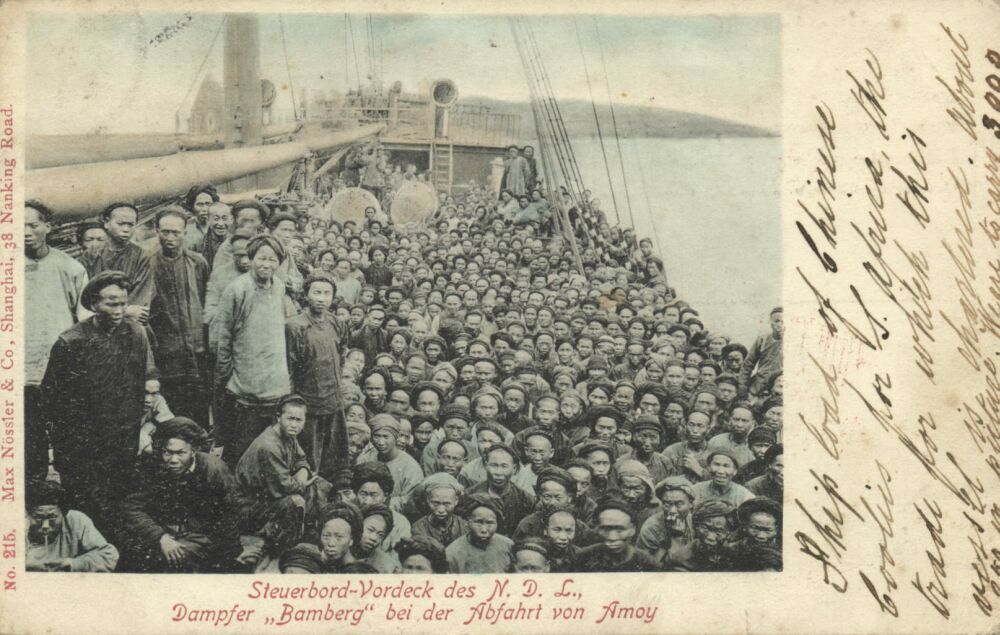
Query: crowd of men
255,388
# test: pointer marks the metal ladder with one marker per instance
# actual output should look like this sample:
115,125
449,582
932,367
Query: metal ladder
442,166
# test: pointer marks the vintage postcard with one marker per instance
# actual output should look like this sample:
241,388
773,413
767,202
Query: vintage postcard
474,317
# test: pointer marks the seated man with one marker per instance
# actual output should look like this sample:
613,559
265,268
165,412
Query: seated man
771,483
713,526
555,488
481,549
615,553
61,539
281,492
181,514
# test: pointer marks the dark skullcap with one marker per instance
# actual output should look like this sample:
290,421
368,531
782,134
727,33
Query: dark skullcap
426,547
379,509
548,512
513,384
627,383
434,339
482,499
546,395
506,448
92,292
526,367
652,388
304,556
678,483
421,387
762,434
557,475
531,544
538,431
597,361
373,472
347,512
614,501
723,452
596,412
711,508
342,480
647,422
773,452
759,504
729,348
454,411
180,428
679,327
595,445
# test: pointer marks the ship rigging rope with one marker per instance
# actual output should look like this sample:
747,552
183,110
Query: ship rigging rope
354,47
370,34
208,54
544,145
535,90
597,121
288,67
555,119
614,123
562,141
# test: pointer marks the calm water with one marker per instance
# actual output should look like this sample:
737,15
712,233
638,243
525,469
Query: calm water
715,206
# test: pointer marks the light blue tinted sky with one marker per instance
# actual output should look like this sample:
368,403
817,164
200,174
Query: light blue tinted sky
90,72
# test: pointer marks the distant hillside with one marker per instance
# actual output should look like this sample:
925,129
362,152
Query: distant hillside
633,121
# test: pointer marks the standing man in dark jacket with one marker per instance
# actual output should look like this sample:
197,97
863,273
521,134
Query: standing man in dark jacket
181,515
175,317
93,392
121,254
312,340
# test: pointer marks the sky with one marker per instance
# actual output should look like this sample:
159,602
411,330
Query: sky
91,73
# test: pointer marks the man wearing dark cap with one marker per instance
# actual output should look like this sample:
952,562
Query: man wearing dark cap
635,360
62,539
181,515
647,440
713,526
604,422
738,424
669,533
772,483
615,553
722,467
501,464
93,393
732,358
759,440
483,549
434,350
555,488
680,335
